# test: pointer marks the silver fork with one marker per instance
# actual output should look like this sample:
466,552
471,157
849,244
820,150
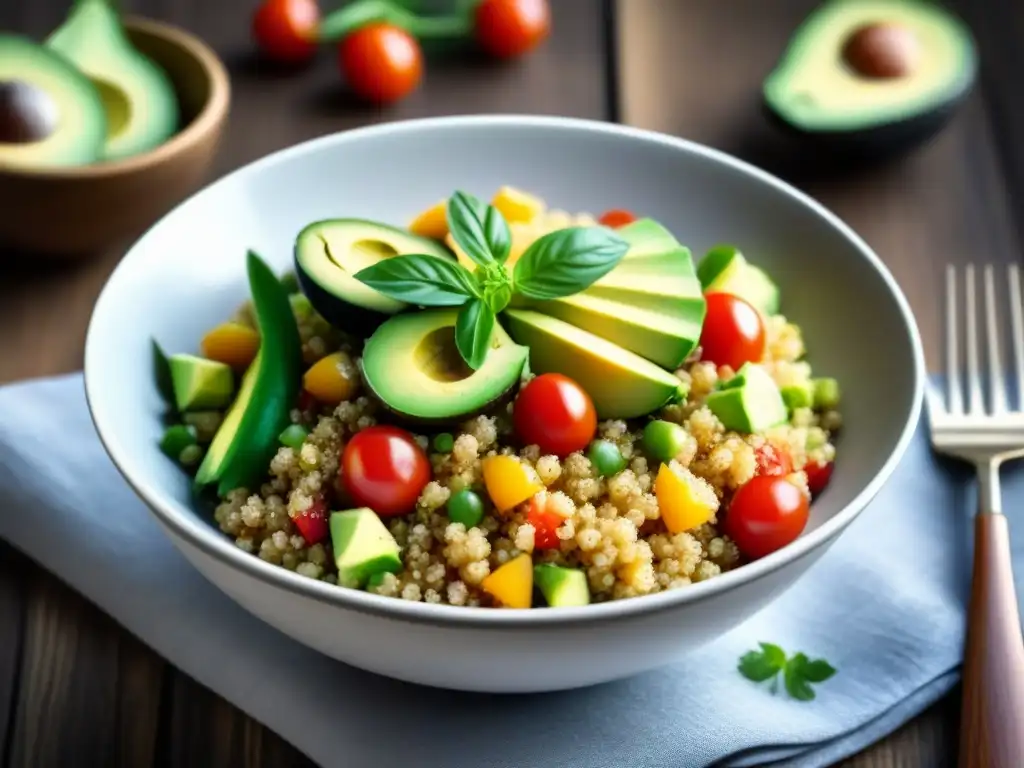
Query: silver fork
992,725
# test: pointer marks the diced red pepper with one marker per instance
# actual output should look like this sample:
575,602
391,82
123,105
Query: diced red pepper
818,476
616,218
773,460
545,523
312,522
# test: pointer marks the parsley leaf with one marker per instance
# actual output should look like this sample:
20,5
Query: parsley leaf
798,671
764,664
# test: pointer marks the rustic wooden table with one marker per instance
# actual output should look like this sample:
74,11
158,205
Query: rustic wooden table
75,689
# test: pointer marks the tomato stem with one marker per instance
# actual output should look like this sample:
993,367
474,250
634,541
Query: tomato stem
342,22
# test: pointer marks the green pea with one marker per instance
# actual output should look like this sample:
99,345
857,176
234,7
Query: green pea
663,440
444,443
826,393
294,436
300,305
191,455
290,282
177,438
465,507
606,457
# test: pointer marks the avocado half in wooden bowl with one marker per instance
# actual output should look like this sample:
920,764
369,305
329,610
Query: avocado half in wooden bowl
104,126
872,78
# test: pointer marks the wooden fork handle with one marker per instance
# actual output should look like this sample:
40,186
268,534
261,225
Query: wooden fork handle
992,727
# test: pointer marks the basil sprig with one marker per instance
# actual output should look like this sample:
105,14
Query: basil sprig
558,264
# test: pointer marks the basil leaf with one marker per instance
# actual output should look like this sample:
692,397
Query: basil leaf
795,679
473,329
421,279
567,261
755,666
479,229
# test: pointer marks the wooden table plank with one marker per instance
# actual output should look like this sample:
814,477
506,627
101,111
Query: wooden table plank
87,693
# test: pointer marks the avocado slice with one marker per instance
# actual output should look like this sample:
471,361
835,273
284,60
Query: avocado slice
872,75
646,237
200,383
749,402
327,255
622,384
141,104
724,270
51,115
560,586
363,547
412,365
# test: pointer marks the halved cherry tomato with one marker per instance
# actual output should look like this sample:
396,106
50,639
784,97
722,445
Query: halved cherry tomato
733,332
285,30
382,63
818,475
616,218
384,469
773,460
545,523
312,522
766,514
554,413
507,28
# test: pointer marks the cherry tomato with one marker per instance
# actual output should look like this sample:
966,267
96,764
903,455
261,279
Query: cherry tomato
312,522
545,523
773,460
384,469
766,514
733,332
556,414
818,475
381,62
285,30
507,28
616,218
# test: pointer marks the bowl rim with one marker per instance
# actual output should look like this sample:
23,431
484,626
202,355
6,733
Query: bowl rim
214,110
190,528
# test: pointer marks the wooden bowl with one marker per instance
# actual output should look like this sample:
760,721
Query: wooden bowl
72,212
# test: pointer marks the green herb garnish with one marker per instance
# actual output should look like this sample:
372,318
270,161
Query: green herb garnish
567,261
479,229
798,672
473,329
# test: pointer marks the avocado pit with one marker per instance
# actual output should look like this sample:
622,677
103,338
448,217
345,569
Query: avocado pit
27,113
882,51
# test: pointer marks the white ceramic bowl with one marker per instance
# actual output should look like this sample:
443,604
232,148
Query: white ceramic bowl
187,274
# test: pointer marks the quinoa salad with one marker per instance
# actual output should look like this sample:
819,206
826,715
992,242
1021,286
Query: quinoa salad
504,405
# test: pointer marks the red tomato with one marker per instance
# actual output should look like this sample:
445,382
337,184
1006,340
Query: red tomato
312,522
556,414
384,469
545,523
766,514
285,30
818,476
381,62
616,218
772,460
733,332
507,28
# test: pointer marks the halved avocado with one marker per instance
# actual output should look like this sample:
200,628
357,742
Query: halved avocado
328,254
872,76
622,384
412,365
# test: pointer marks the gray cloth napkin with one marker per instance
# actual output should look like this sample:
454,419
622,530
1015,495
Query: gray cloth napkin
885,606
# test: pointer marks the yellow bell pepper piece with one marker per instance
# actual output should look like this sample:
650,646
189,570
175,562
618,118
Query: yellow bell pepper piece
332,379
512,584
432,223
233,344
507,482
516,205
685,500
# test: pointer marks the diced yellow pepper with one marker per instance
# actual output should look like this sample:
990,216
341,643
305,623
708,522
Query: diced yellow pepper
512,583
233,344
432,223
516,205
507,482
685,500
332,379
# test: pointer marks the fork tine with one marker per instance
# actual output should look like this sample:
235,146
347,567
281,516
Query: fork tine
976,405
956,405
1017,321
996,385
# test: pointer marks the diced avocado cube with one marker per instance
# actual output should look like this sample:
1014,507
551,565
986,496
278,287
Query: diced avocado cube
826,393
724,269
753,406
560,586
798,395
200,383
363,546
